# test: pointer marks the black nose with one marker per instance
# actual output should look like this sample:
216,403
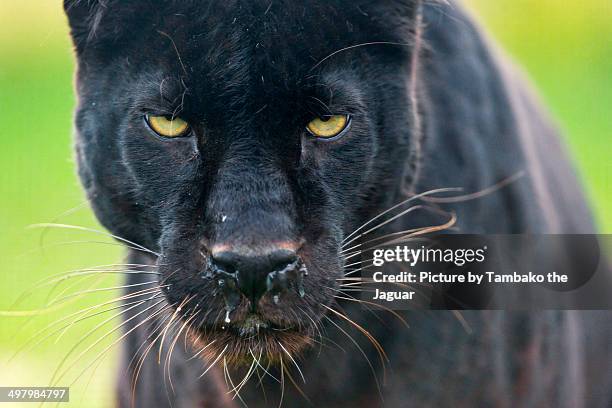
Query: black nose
257,274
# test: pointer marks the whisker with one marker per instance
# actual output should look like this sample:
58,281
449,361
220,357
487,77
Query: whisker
351,47
146,342
373,340
297,387
282,377
57,377
335,344
427,230
95,231
71,285
259,376
386,309
478,194
352,255
258,360
103,352
67,327
202,349
174,315
415,197
84,292
404,239
382,224
42,248
34,312
81,313
66,213
461,319
361,351
79,272
293,361
359,263
171,349
316,327
141,360
214,362
365,305
229,378
236,390
41,310
357,270
406,233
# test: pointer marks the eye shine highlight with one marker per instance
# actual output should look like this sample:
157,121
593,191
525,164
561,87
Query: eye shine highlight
167,126
327,127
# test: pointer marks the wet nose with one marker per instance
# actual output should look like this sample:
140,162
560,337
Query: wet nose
256,275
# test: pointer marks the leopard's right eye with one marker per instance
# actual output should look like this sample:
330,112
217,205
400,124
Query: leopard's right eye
167,126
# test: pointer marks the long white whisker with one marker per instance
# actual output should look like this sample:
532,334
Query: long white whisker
103,352
363,353
82,316
382,224
202,350
95,231
57,376
293,361
262,367
250,371
216,360
415,197
171,349
111,288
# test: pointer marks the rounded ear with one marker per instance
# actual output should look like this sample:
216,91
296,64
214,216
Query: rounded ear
398,15
93,23
83,16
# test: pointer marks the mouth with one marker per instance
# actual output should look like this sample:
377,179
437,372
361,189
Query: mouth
254,325
252,337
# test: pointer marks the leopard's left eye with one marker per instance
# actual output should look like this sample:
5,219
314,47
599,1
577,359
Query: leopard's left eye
167,126
327,127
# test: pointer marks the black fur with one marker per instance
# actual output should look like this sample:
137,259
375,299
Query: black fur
248,76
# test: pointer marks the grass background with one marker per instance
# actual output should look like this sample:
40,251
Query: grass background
565,46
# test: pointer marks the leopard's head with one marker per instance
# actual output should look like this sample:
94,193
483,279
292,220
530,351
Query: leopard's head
241,142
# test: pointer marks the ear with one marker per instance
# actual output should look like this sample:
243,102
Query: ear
84,17
95,23
405,9
395,15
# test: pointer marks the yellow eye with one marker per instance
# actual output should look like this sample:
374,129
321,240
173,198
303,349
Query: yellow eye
328,126
167,126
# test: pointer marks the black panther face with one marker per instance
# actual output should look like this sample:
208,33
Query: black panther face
242,141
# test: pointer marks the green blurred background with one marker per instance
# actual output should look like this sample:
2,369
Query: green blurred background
565,46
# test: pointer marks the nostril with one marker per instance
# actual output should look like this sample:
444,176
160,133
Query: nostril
281,259
228,261
232,262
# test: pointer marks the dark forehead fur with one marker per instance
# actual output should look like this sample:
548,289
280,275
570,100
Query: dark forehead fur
298,22
223,36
